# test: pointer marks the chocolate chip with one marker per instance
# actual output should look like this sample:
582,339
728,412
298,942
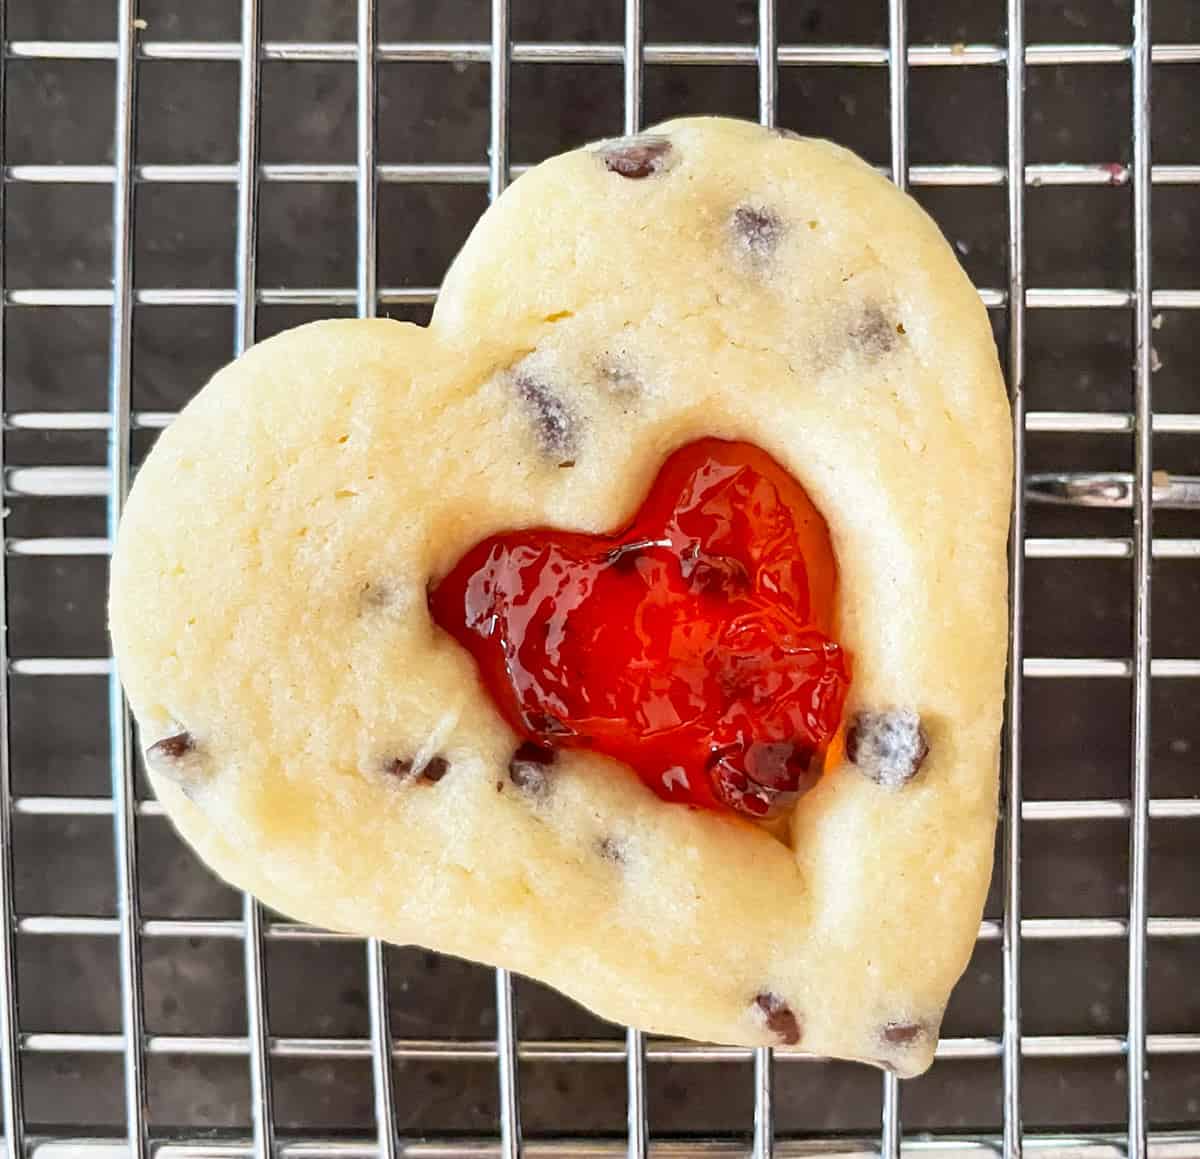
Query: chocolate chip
611,850
903,1033
529,768
873,333
758,229
170,748
556,425
435,769
887,746
636,157
178,758
778,1017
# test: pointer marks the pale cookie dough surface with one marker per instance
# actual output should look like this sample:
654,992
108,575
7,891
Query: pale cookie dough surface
269,595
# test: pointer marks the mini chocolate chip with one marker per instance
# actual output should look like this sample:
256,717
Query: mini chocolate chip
611,850
779,1019
636,157
758,229
529,768
178,758
887,746
557,429
436,768
171,748
903,1033
874,333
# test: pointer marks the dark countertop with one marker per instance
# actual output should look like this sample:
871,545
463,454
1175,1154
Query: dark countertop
1077,736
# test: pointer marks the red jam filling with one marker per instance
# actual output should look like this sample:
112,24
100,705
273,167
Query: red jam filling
694,644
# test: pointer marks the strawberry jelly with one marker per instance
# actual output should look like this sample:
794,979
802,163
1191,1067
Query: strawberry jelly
694,645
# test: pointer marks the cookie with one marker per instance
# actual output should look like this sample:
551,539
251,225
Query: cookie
322,739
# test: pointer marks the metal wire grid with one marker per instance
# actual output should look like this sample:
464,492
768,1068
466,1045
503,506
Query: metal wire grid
258,1045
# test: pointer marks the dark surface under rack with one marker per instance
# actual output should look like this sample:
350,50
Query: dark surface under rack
180,178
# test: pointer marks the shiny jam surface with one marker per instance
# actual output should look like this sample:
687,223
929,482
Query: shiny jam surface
694,644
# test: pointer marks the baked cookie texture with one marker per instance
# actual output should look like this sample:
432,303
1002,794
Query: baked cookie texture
332,751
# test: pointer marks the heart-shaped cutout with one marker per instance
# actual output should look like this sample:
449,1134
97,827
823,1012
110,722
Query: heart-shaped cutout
693,645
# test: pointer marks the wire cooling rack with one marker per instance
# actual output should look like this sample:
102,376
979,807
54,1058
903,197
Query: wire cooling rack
1001,1070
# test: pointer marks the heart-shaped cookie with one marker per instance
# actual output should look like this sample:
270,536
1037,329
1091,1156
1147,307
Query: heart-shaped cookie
321,741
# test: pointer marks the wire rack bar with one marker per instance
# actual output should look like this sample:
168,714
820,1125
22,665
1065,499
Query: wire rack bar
637,1118
1161,808
465,173
500,56
634,67
366,299
120,729
1061,422
1143,436
560,52
582,1050
763,1142
1107,547
262,1102
1039,667
1083,1145
1032,929
1047,298
767,59
11,1103
366,215
1013,806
